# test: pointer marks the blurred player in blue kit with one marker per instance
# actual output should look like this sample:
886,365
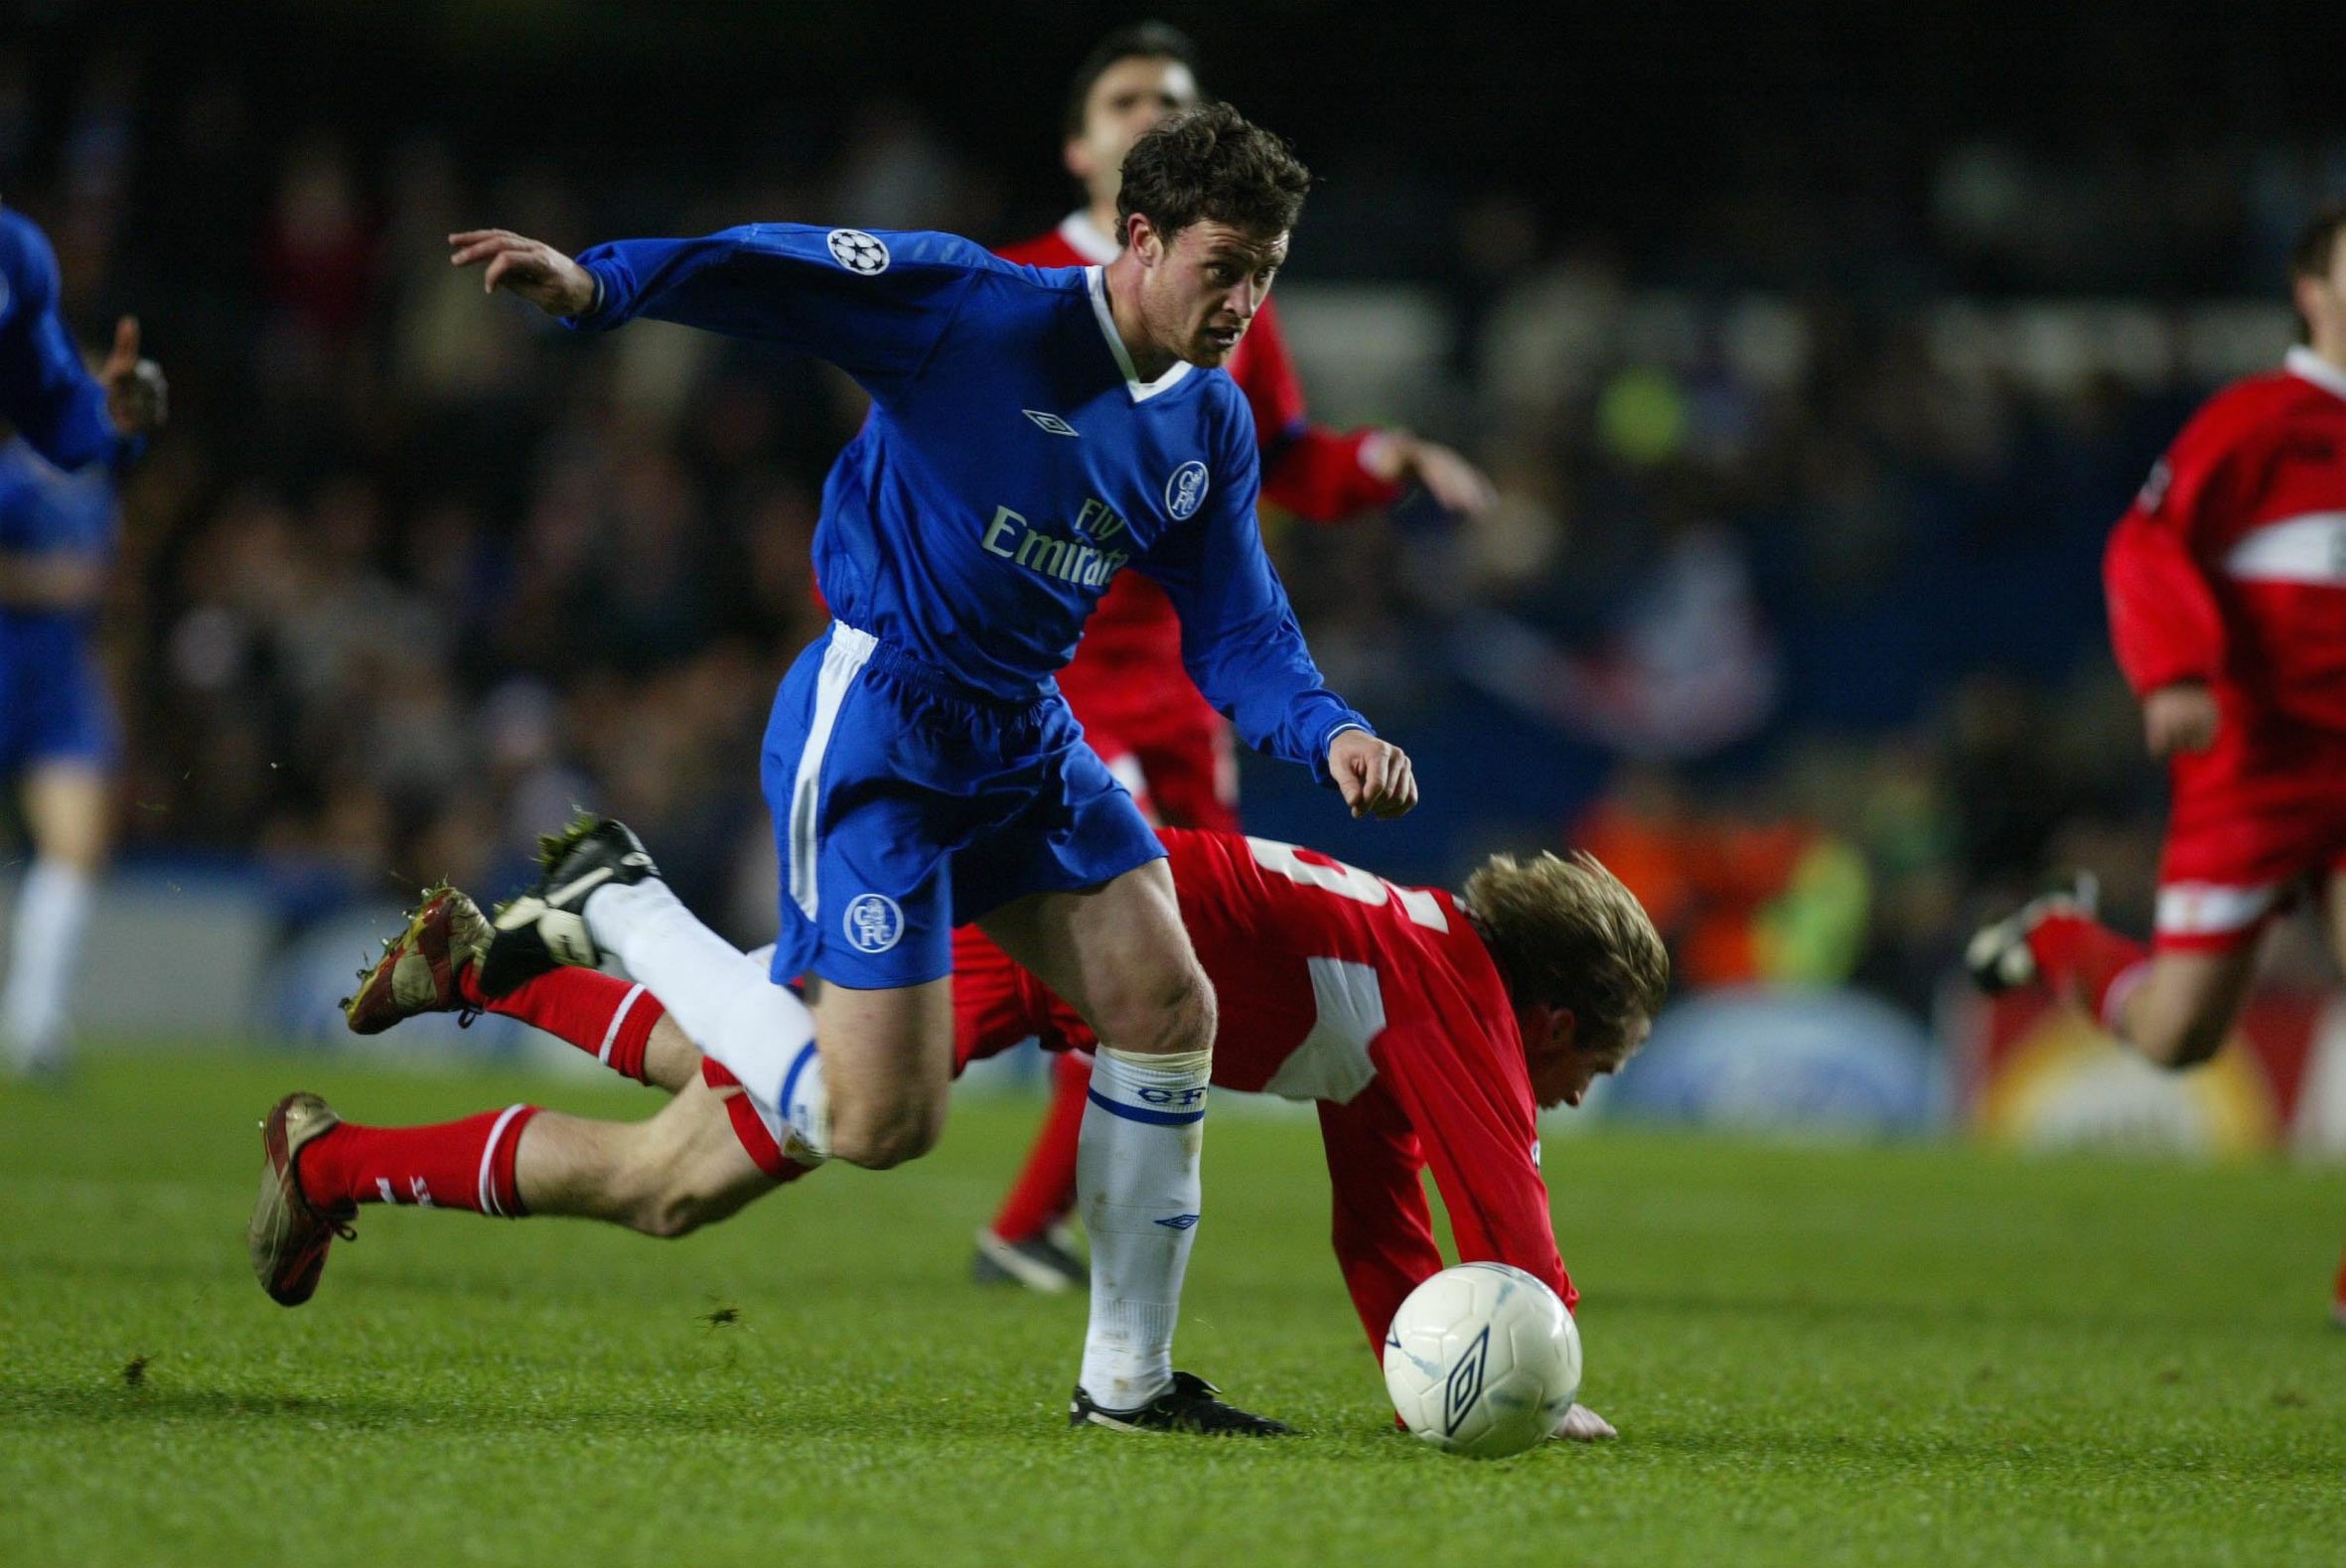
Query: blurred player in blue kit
73,431
1033,433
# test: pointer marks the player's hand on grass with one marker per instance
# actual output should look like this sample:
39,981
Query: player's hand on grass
137,397
532,268
1373,774
1398,457
1583,1425
2182,717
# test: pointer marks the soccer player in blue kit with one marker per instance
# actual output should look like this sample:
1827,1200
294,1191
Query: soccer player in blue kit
1033,432
57,528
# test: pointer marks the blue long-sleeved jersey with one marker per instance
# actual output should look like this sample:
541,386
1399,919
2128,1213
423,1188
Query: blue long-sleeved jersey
1013,462
46,509
45,390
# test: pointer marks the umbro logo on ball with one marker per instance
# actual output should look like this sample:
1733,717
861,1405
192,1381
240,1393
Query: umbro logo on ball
858,252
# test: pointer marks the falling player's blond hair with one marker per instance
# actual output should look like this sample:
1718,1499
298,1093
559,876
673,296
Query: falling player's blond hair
1568,934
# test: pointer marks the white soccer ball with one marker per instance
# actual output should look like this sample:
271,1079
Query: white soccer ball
1482,1360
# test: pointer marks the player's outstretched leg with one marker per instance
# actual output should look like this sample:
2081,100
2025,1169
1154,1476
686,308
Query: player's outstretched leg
1028,1242
2175,1006
1117,954
600,890
665,1177
65,807
434,966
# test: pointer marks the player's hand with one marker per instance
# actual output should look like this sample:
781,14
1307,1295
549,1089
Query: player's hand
532,268
137,397
1583,1425
1373,774
2180,718
1455,484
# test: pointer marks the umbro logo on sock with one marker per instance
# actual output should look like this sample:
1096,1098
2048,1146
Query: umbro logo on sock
1179,1222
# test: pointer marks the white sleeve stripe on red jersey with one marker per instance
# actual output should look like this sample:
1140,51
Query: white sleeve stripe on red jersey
2308,548
1333,1062
2202,909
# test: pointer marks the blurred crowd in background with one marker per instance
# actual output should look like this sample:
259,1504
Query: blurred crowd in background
1790,613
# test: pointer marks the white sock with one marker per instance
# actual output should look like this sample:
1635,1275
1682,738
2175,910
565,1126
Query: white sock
1136,1175
52,913
725,1001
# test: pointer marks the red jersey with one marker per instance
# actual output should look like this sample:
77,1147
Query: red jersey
2230,568
1379,1002
1126,679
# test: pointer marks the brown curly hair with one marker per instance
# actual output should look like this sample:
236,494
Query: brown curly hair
1211,163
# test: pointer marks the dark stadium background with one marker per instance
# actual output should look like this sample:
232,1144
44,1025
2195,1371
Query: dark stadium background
1794,610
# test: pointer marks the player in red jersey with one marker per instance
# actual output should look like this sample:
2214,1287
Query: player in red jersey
1127,685
1429,1028
2227,587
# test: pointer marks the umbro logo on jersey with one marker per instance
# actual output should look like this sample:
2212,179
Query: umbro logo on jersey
858,252
1051,422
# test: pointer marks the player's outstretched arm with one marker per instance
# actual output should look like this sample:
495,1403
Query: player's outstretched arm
1373,774
2181,717
1399,458
532,268
138,400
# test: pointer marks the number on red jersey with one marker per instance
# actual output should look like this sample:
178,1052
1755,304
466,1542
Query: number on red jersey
1350,882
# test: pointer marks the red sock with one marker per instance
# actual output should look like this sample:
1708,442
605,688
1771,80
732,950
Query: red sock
757,1140
466,1164
1046,1186
2083,959
606,1016
2341,1297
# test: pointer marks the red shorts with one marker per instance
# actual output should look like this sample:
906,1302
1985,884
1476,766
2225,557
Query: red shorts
997,1004
2254,820
1183,776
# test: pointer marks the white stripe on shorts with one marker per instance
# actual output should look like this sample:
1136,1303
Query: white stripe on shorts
2304,549
2208,909
842,662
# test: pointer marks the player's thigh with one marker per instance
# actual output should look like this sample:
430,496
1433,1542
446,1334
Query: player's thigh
888,1054
1119,954
64,806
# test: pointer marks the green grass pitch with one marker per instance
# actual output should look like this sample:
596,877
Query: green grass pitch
1815,1355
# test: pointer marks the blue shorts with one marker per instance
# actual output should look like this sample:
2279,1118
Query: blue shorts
54,705
905,804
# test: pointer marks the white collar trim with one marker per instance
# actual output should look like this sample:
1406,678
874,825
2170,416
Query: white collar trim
1096,279
1086,239
2311,367
2304,363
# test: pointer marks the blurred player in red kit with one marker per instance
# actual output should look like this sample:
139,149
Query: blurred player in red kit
1127,685
1428,1027
2227,587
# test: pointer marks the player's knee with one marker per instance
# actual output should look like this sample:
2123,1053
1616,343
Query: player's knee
1175,1015
2195,1042
2177,1042
885,1136
671,1216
